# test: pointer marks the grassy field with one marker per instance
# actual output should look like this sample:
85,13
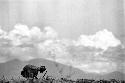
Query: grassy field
50,79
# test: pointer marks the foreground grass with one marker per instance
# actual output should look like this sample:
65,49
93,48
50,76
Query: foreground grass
50,79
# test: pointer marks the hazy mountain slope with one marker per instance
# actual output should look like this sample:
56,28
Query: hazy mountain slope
13,68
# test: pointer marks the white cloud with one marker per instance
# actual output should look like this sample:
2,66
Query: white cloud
22,34
50,33
19,34
102,39
36,34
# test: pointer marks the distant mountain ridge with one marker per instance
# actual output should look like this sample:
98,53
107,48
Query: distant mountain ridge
13,68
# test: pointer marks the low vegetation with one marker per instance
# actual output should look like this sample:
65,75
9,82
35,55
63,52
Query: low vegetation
51,79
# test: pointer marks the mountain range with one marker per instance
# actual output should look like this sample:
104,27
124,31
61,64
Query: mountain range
12,69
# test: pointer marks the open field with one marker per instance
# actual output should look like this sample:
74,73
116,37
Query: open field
50,79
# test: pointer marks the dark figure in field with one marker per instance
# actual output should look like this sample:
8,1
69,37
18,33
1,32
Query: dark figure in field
31,71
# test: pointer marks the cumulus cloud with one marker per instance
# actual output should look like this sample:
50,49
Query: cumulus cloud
21,40
50,33
87,53
22,34
102,39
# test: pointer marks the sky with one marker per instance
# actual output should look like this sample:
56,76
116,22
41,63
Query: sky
65,16
88,35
